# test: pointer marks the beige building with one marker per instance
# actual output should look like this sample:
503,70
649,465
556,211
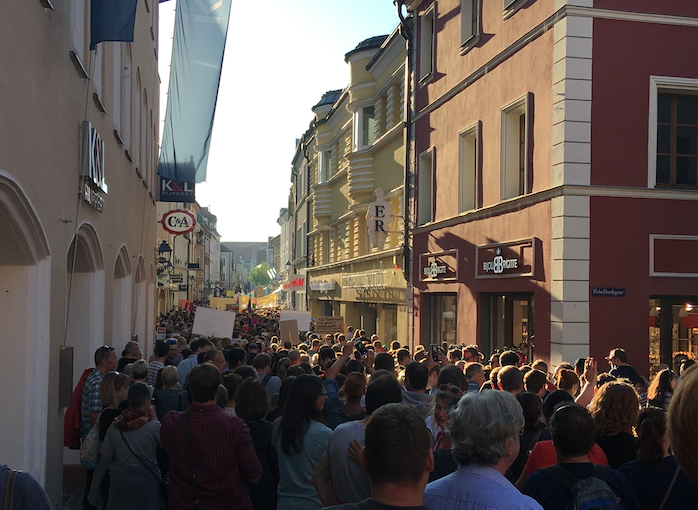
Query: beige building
356,146
78,153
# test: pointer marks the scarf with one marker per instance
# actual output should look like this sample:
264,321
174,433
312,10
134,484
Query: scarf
131,419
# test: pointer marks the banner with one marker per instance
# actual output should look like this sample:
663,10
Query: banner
201,28
112,20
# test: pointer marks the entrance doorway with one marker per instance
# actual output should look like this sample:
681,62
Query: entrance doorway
507,322
673,330
439,322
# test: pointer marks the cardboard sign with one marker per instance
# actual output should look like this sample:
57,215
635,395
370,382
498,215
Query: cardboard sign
210,322
329,325
160,333
303,318
289,332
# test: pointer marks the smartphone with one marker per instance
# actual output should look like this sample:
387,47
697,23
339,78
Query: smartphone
435,352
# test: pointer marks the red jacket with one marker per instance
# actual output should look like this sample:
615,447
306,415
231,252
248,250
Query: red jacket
72,418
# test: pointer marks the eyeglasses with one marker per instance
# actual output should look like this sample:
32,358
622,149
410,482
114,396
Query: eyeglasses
172,341
452,389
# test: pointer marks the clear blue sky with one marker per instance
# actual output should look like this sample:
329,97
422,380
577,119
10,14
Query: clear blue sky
281,56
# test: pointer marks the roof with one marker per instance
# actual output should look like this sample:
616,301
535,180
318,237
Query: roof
329,98
367,44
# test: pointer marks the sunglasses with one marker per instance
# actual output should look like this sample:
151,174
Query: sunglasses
172,341
452,389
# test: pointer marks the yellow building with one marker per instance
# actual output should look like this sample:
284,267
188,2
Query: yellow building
356,146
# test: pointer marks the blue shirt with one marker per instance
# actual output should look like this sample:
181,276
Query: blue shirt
476,487
186,366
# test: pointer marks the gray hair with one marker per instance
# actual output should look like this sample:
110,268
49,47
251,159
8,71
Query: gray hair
480,425
130,346
140,369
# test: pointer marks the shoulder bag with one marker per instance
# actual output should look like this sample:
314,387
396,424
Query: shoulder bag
8,500
162,485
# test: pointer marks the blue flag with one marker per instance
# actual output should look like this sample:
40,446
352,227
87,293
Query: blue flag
201,28
112,20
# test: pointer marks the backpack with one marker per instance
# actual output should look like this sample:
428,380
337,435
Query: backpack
591,493
73,415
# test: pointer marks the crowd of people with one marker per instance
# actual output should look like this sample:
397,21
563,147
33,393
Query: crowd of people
248,422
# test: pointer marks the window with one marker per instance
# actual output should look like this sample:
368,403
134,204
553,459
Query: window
325,166
425,202
515,149
426,44
468,171
368,126
469,21
511,6
677,140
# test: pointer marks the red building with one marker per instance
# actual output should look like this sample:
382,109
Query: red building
556,176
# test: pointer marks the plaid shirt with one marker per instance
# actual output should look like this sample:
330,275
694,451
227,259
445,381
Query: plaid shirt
90,400
224,457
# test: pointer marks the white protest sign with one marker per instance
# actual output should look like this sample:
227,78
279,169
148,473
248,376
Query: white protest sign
210,322
303,318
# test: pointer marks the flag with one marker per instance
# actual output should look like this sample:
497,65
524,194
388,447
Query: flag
201,29
112,20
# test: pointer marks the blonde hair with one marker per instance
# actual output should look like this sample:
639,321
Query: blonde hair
614,408
112,383
170,377
354,387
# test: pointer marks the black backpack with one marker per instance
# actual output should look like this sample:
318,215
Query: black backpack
591,493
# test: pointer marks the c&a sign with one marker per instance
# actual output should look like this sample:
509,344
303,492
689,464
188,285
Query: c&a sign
178,221
438,267
506,260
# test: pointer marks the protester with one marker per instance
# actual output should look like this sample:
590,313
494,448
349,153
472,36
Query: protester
484,430
574,431
620,368
454,376
158,363
661,390
170,397
271,383
23,489
474,375
533,431
215,447
682,419
655,476
614,409
398,473
416,377
129,452
130,354
300,438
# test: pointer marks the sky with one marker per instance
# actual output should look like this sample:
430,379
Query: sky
281,56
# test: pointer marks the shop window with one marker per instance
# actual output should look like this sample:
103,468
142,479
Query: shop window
439,318
515,149
673,330
468,165
426,44
425,199
677,140
507,322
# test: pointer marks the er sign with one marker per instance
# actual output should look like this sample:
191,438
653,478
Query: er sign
178,221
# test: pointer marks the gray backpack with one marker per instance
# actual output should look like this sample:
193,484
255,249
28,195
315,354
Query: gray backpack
591,493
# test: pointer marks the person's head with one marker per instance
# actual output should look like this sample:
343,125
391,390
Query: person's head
217,359
295,356
685,365
132,350
262,362
253,348
416,376
451,374
509,358
652,437
494,375
534,382
170,377
484,428
172,348
532,406
682,419
455,354
579,366
204,381
384,361
326,357
494,360
444,399
510,379
541,365
105,359
354,387
662,383
231,382
140,370
222,399
162,348
475,372
471,354
251,401
306,401
201,345
614,408
617,356
552,401
139,396
236,357
604,378
567,380
382,389
114,388
397,447
403,357
573,430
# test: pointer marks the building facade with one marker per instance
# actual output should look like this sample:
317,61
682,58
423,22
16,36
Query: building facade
556,176
78,154
354,156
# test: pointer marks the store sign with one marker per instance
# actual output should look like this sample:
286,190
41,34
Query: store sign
193,266
295,284
183,288
178,222
92,166
505,260
176,191
92,197
607,292
322,285
378,219
176,278
438,267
